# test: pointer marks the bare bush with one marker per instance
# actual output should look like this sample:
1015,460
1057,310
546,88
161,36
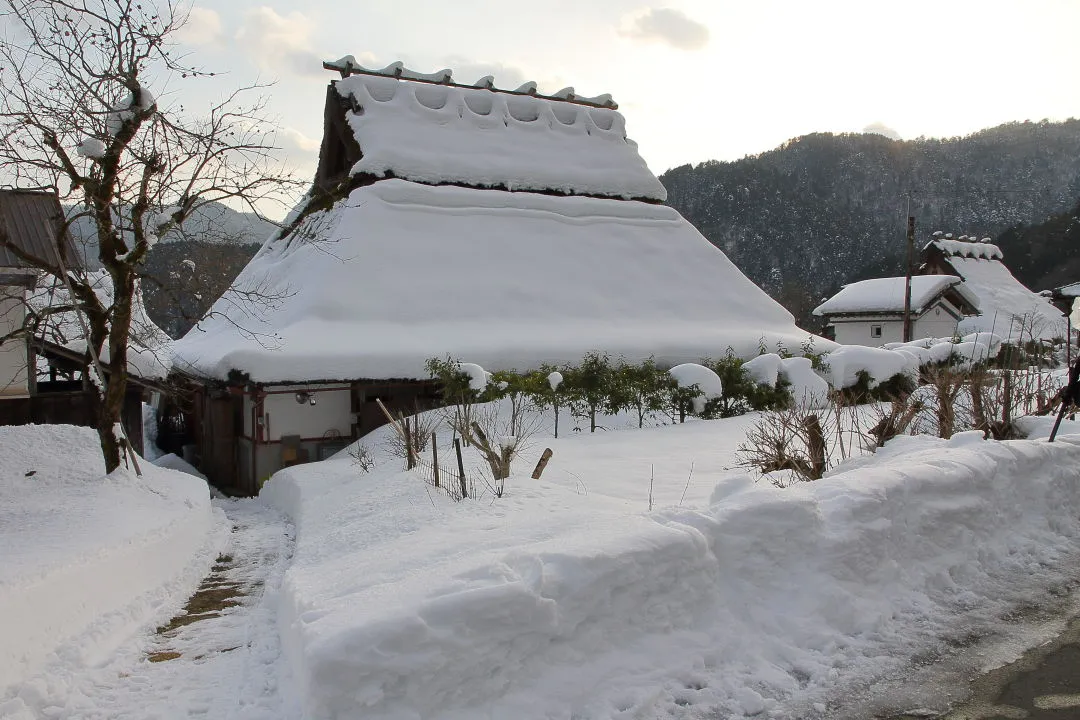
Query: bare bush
790,440
362,458
894,421
417,430
500,437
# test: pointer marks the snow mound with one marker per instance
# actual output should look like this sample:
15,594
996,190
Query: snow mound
551,603
708,382
846,362
89,559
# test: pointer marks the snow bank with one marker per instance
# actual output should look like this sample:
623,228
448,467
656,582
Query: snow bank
556,603
88,559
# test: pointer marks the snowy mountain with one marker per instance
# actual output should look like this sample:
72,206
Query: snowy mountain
827,209
211,223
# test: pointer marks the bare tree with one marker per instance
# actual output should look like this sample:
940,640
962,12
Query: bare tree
78,117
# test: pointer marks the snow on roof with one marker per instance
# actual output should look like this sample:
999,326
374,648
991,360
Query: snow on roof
968,248
436,134
507,280
150,349
1006,306
886,295
1072,290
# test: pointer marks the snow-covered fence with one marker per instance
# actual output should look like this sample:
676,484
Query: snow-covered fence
445,472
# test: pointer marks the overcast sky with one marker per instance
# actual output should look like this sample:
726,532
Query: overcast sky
696,79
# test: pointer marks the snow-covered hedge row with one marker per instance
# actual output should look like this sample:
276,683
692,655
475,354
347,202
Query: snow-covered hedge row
556,604
842,367
88,559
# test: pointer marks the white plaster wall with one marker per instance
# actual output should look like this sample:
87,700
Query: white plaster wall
935,323
858,332
14,381
284,416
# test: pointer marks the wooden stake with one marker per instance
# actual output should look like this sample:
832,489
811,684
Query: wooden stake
435,457
541,464
460,467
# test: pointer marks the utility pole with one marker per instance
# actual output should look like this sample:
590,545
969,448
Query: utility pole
907,281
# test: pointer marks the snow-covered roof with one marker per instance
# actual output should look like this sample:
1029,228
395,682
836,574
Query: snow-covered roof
478,136
967,247
150,349
406,272
1072,290
886,295
1006,306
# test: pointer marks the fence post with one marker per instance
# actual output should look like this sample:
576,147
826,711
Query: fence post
541,464
435,456
460,467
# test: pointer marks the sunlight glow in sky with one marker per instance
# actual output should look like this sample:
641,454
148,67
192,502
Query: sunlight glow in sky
696,79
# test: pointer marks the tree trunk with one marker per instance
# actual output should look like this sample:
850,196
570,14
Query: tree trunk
112,404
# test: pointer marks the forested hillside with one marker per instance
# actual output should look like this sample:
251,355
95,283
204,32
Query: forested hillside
827,209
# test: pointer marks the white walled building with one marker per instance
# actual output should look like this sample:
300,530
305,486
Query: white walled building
871,312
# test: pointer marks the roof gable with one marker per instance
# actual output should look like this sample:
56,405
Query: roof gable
30,220
434,133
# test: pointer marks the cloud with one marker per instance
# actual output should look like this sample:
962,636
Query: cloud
280,43
880,128
203,27
669,26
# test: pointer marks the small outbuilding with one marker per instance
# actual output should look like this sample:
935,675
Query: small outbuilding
871,312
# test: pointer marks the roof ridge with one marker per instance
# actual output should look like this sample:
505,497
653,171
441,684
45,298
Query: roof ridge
348,65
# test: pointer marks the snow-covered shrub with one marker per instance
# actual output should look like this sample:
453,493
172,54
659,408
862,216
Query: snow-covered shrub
696,385
742,392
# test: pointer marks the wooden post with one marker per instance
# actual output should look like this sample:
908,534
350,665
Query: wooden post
907,282
410,453
460,467
435,457
542,464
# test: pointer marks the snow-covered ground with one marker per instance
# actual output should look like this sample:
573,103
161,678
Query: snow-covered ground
225,666
89,561
568,597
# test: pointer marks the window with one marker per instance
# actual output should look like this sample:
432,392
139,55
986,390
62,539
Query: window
875,331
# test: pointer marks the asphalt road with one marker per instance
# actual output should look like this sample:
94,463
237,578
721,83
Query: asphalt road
1044,684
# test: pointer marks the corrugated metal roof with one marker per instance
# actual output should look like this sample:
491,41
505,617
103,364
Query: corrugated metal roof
31,219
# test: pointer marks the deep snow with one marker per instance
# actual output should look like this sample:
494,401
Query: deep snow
89,561
569,598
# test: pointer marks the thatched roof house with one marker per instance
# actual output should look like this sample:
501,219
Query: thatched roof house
1006,306
501,227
